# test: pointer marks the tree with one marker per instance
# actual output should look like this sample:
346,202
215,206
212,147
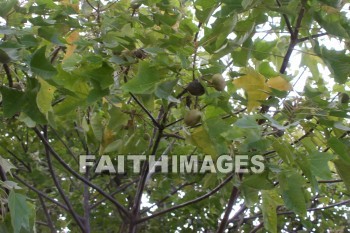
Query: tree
119,77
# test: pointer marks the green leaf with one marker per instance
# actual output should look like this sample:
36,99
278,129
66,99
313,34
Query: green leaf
319,164
6,7
41,66
247,122
343,169
284,150
291,184
270,201
262,49
97,126
164,90
102,75
6,165
337,61
20,212
12,101
145,81
340,148
201,139
258,181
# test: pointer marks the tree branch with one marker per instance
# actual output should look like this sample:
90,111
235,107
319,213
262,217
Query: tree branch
286,19
231,202
47,215
8,74
167,196
75,216
308,210
154,121
74,173
86,197
212,192
311,37
40,192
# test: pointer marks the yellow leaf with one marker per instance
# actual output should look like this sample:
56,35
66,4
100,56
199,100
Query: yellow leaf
254,85
45,96
74,36
279,83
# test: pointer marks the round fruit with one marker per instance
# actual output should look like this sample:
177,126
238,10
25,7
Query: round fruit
192,117
218,82
146,136
344,98
4,58
195,88
135,4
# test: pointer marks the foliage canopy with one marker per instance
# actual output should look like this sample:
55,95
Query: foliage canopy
111,77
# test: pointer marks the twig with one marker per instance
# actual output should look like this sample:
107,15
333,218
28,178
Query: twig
154,121
308,210
120,189
8,74
167,196
195,51
311,37
141,185
75,216
40,193
212,192
74,173
47,215
289,26
231,202
86,197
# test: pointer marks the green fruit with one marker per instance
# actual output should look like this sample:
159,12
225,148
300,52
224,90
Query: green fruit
192,117
195,88
4,58
344,98
218,82
135,4
146,137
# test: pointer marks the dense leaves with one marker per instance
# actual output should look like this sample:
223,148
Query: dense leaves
122,78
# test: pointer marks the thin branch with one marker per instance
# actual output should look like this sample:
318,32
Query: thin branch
86,197
172,135
65,145
286,19
75,216
231,202
167,196
311,37
18,159
154,121
212,192
142,183
88,2
195,51
120,189
308,210
8,74
257,228
329,181
239,212
40,193
78,176
47,215
54,54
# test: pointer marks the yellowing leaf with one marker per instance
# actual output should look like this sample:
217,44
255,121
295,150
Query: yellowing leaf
74,36
45,96
254,84
279,83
